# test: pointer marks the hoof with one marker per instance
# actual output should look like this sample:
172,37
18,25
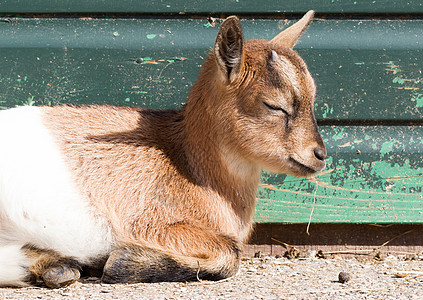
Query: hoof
60,276
118,267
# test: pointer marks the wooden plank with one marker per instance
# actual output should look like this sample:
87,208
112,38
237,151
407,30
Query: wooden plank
210,7
374,175
345,240
364,70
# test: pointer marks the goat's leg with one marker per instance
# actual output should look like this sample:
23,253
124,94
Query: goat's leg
51,268
183,253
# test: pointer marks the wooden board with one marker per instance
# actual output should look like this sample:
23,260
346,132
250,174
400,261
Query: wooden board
210,7
364,70
363,241
374,175
369,104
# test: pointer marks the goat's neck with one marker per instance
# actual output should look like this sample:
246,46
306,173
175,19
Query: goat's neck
214,162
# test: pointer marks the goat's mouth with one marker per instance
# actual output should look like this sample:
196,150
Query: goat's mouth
303,169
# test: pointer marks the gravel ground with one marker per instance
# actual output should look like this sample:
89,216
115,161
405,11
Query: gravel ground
264,278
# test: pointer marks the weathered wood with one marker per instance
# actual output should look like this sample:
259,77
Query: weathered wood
374,175
346,240
365,70
210,7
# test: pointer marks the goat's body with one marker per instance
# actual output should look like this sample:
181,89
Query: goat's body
131,164
105,175
149,195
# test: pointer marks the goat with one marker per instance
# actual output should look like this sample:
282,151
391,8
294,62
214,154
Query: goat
139,195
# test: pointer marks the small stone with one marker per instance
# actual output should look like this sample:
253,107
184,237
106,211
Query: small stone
320,254
292,253
379,256
344,277
410,257
258,254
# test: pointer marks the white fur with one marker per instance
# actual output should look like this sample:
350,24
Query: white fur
39,204
12,265
288,71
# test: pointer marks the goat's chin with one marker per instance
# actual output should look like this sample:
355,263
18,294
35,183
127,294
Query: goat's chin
300,170
295,168
303,174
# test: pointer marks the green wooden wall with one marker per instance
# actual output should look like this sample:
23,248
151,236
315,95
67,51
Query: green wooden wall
366,58
253,7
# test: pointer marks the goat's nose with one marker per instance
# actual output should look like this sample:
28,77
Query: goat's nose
320,153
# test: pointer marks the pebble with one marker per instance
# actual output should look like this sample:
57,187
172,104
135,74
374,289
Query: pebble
344,277
258,254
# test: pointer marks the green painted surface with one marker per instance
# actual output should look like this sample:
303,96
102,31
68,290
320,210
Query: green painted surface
206,7
374,175
365,71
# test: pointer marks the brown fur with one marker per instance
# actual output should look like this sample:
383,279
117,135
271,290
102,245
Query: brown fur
179,187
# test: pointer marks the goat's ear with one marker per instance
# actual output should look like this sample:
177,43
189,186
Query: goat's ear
229,48
289,37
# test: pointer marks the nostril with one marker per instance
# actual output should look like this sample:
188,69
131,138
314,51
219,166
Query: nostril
319,153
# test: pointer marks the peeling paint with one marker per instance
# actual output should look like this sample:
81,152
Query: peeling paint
398,80
327,110
418,98
386,147
149,60
406,84
339,134
383,185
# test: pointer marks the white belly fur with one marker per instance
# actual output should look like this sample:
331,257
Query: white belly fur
39,204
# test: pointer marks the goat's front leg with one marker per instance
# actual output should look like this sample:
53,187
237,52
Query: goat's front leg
183,253
50,267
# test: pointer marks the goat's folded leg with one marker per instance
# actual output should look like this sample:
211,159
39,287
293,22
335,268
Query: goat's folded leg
181,253
51,268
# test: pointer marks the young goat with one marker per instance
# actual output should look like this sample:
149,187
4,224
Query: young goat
146,196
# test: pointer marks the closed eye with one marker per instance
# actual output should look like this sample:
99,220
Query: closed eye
275,108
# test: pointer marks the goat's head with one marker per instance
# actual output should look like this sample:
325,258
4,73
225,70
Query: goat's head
264,100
